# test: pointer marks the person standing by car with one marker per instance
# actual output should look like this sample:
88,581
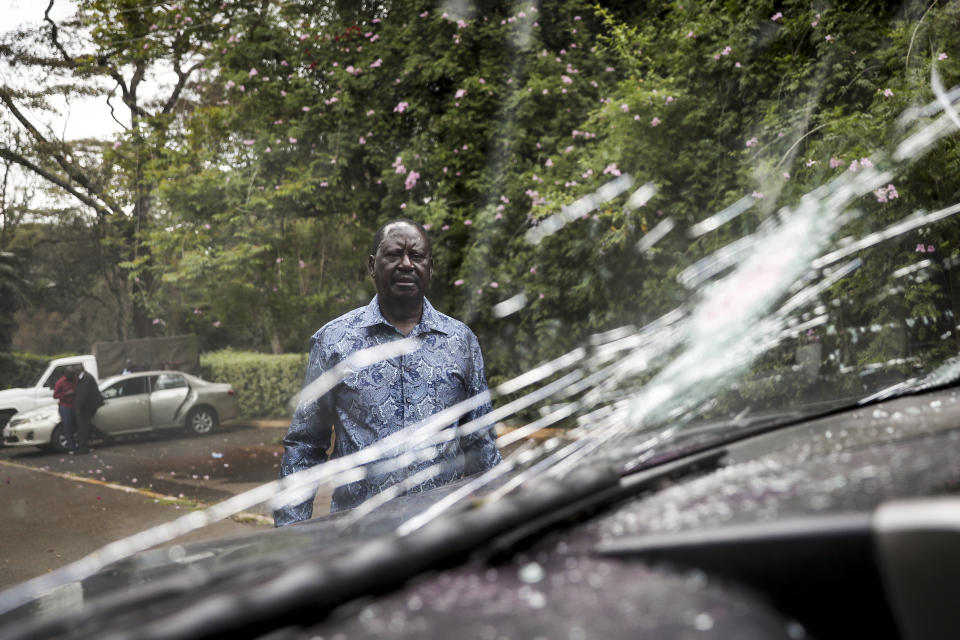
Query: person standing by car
64,391
383,398
87,400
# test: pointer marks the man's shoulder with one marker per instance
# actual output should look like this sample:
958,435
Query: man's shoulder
350,321
451,325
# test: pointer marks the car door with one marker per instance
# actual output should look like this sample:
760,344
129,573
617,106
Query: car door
126,407
169,392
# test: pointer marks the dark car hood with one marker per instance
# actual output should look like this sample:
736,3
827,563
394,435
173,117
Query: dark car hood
846,463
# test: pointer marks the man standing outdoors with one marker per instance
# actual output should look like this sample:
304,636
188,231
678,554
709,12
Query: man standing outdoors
381,399
86,401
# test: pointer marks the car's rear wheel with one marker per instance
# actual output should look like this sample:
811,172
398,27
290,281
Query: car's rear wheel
201,420
58,440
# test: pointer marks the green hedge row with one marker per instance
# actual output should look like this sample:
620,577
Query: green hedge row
20,369
264,383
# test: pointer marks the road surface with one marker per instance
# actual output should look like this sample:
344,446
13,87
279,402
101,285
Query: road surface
58,508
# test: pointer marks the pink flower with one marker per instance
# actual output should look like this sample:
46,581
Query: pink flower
468,222
401,107
362,140
828,38
445,227
301,264
777,16
398,165
655,122
499,216
854,166
411,181
930,248
458,283
249,142
566,79
548,163
253,72
217,323
920,249
756,195
279,260
306,109
494,285
942,56
230,84
888,92
611,169
691,34
533,270
424,14
460,93
376,63
887,193
370,112
752,142
293,141
624,107
835,162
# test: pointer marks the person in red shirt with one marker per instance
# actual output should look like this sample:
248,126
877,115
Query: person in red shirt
64,391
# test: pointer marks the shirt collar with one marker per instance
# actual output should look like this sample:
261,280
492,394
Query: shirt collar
430,319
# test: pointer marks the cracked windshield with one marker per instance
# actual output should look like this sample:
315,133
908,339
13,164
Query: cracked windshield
275,261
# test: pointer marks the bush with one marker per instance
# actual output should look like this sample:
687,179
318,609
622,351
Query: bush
20,369
264,383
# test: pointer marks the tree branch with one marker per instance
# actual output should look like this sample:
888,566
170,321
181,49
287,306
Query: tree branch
55,35
101,208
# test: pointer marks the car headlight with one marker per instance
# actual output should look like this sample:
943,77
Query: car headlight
45,416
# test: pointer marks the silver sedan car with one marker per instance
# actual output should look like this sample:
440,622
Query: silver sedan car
134,403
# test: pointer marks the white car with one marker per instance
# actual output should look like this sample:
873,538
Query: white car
134,403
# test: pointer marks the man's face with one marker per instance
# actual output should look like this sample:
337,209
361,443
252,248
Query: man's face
402,267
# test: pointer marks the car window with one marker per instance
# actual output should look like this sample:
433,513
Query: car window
58,373
128,387
168,381
651,227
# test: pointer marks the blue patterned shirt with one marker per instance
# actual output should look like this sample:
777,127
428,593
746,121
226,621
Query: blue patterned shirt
375,401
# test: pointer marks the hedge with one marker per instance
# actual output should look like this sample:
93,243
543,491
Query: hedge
264,383
21,369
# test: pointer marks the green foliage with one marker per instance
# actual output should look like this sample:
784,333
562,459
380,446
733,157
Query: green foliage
264,384
20,369
304,125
